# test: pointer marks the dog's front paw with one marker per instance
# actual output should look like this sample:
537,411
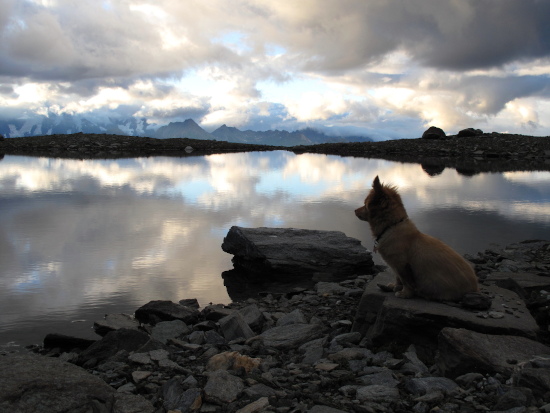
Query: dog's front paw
404,293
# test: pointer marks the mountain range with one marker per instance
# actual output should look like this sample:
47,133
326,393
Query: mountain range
66,124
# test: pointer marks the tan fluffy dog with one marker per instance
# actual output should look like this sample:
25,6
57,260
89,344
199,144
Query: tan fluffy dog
424,266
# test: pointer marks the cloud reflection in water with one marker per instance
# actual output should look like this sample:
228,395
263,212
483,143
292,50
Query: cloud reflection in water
80,238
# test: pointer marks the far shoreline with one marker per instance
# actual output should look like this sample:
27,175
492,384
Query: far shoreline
488,152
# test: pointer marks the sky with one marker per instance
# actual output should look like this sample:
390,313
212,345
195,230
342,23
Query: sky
382,68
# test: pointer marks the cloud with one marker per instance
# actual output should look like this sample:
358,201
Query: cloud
454,63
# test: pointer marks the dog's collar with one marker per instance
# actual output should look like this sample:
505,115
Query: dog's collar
377,240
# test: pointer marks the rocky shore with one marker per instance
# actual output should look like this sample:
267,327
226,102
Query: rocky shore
468,153
305,350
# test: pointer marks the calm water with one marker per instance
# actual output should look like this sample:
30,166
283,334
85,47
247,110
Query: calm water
79,239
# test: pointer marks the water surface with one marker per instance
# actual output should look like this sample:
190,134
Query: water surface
82,238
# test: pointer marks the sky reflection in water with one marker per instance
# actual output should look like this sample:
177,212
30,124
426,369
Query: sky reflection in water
79,239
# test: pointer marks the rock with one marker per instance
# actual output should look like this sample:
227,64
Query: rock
232,360
216,312
424,385
377,393
253,317
177,398
30,383
522,283
461,351
535,378
324,409
156,311
385,319
330,288
234,326
115,322
476,301
112,343
165,330
257,406
291,336
468,132
514,397
294,317
434,133
66,343
222,387
189,302
288,254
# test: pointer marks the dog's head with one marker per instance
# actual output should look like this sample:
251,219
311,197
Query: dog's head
380,201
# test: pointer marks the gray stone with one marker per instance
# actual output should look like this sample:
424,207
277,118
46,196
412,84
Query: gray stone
256,406
140,358
463,351
289,253
177,398
190,302
522,283
377,393
30,383
423,385
383,378
324,409
216,312
514,397
259,390
165,330
291,336
211,337
196,337
294,317
324,288
234,326
222,387
385,319
115,322
348,354
313,350
253,316
162,310
536,379
112,343
131,403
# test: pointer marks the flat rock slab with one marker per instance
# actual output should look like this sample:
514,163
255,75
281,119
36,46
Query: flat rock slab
463,351
289,253
388,321
522,283
30,383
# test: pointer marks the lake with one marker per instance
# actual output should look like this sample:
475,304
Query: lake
83,238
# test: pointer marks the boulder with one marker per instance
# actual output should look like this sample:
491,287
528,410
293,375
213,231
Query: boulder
165,330
163,310
288,254
434,133
31,383
462,351
222,387
468,132
234,326
391,322
115,322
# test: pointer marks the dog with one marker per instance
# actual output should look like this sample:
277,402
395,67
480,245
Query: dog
424,266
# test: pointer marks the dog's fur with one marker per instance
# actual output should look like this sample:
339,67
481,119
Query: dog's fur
424,266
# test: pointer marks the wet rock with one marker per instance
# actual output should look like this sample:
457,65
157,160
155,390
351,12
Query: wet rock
384,318
66,343
434,132
462,351
222,387
288,254
115,322
156,311
112,343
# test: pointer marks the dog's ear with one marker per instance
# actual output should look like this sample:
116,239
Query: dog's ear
376,185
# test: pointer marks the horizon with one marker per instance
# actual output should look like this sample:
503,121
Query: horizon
383,69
